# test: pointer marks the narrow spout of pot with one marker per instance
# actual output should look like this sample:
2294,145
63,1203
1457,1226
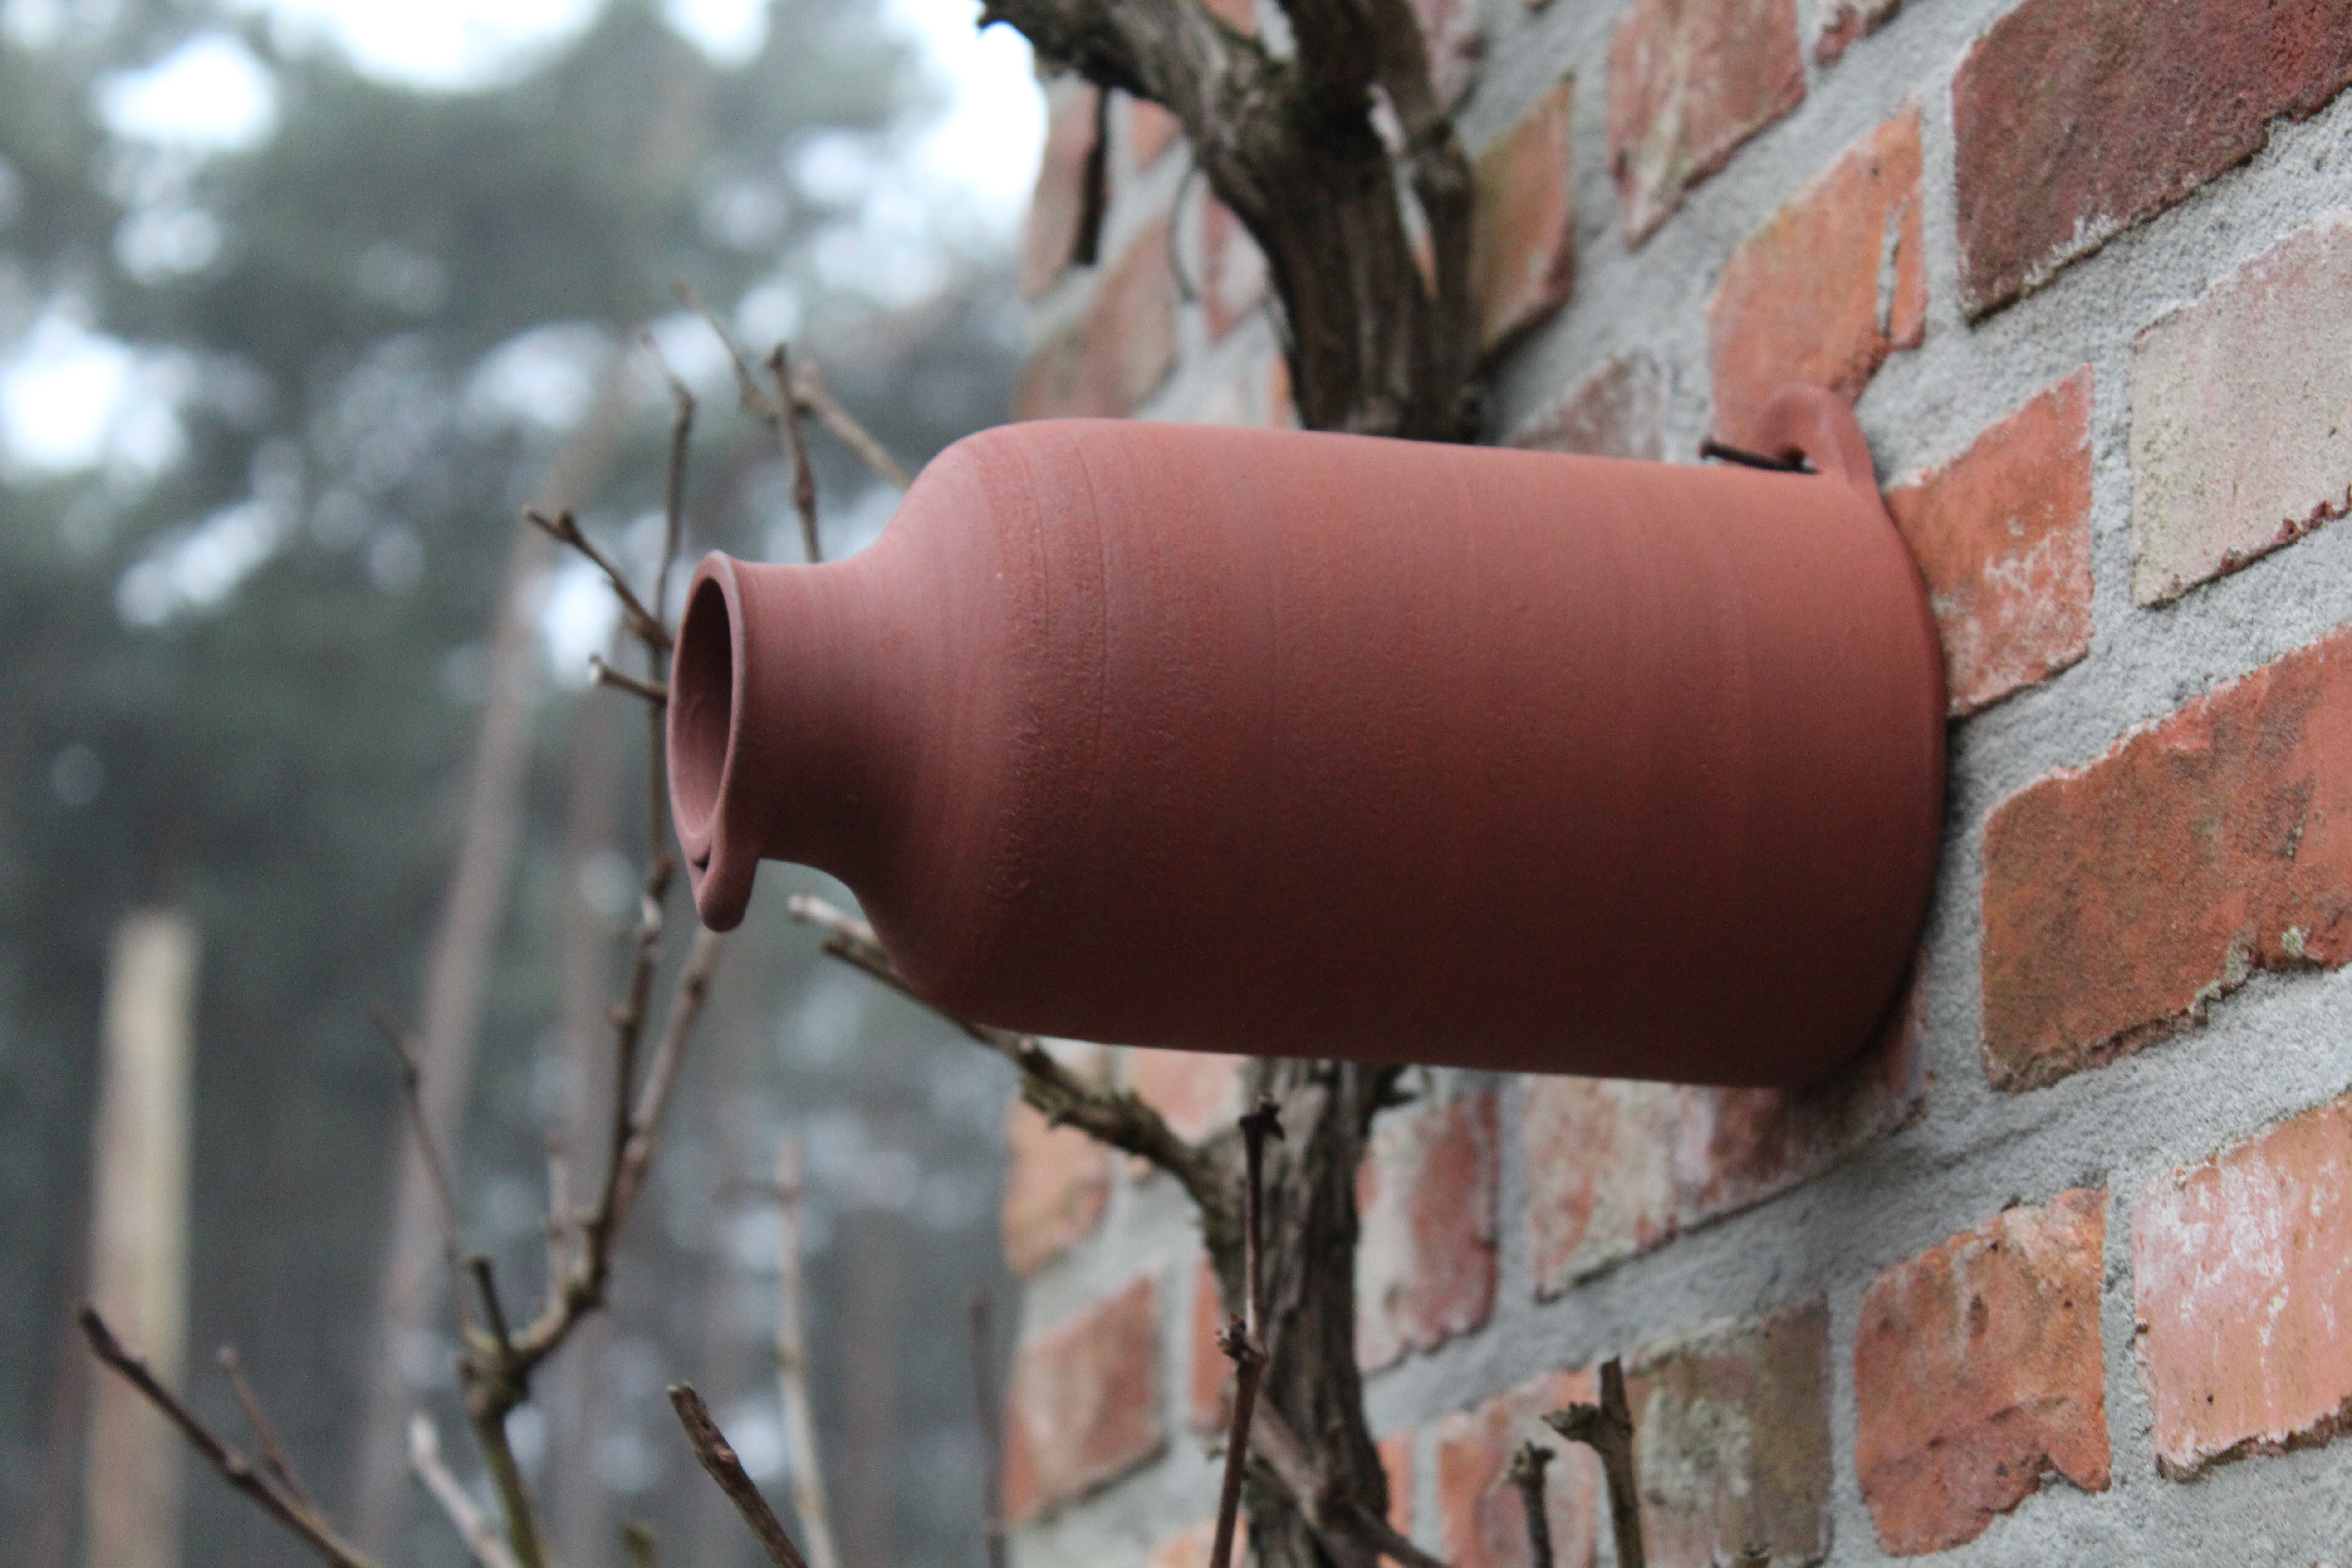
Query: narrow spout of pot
778,740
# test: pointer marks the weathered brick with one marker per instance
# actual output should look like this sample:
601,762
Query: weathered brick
1523,236
1478,1508
1617,1167
1234,276
1118,355
1829,287
2074,120
1056,1184
1848,23
2242,414
1197,1093
1396,1464
1732,1440
1689,81
1617,410
1978,1369
1051,230
1083,1407
2002,534
2242,1273
1150,131
2121,897
1425,1259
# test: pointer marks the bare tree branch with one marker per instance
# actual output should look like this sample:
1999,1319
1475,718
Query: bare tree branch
428,1148
1527,1473
303,1523
711,1447
816,399
1607,1428
681,432
1116,1117
791,1364
274,1461
564,530
1244,1340
788,424
473,1526
605,675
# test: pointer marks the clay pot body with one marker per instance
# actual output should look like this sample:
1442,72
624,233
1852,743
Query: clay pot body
1323,745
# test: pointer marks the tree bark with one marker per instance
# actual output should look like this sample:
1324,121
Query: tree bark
1375,344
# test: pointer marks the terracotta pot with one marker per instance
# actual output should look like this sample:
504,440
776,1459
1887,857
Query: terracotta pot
1324,745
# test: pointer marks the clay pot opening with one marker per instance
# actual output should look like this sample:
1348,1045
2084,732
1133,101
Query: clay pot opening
702,716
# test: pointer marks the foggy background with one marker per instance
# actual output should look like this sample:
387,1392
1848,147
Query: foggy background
300,300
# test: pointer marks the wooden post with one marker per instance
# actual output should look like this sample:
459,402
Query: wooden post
139,1239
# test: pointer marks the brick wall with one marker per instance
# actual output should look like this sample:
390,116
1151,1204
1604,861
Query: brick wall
2062,1271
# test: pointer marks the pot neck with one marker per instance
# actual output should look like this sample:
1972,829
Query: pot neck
781,732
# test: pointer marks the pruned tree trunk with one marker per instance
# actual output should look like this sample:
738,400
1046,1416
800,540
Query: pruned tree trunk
1292,145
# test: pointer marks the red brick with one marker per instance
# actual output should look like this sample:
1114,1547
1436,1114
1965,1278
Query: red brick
1425,1257
1150,131
2074,120
1849,22
2002,534
1197,1093
1617,410
1689,81
1616,1167
1083,1407
1233,274
1191,1548
1732,1440
1052,231
1479,1511
2242,1271
1523,237
2120,898
1396,1464
1978,1369
1123,350
1056,1185
1826,289
1209,1392
2239,440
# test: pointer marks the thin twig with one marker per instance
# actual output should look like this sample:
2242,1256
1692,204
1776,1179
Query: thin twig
681,431
779,366
991,1428
816,399
637,1541
1094,188
603,674
428,1148
490,1425
1117,1117
473,1526
717,1456
1244,1340
486,1286
792,1363
309,1527
265,1434
1527,1473
560,1217
1607,1428
564,530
